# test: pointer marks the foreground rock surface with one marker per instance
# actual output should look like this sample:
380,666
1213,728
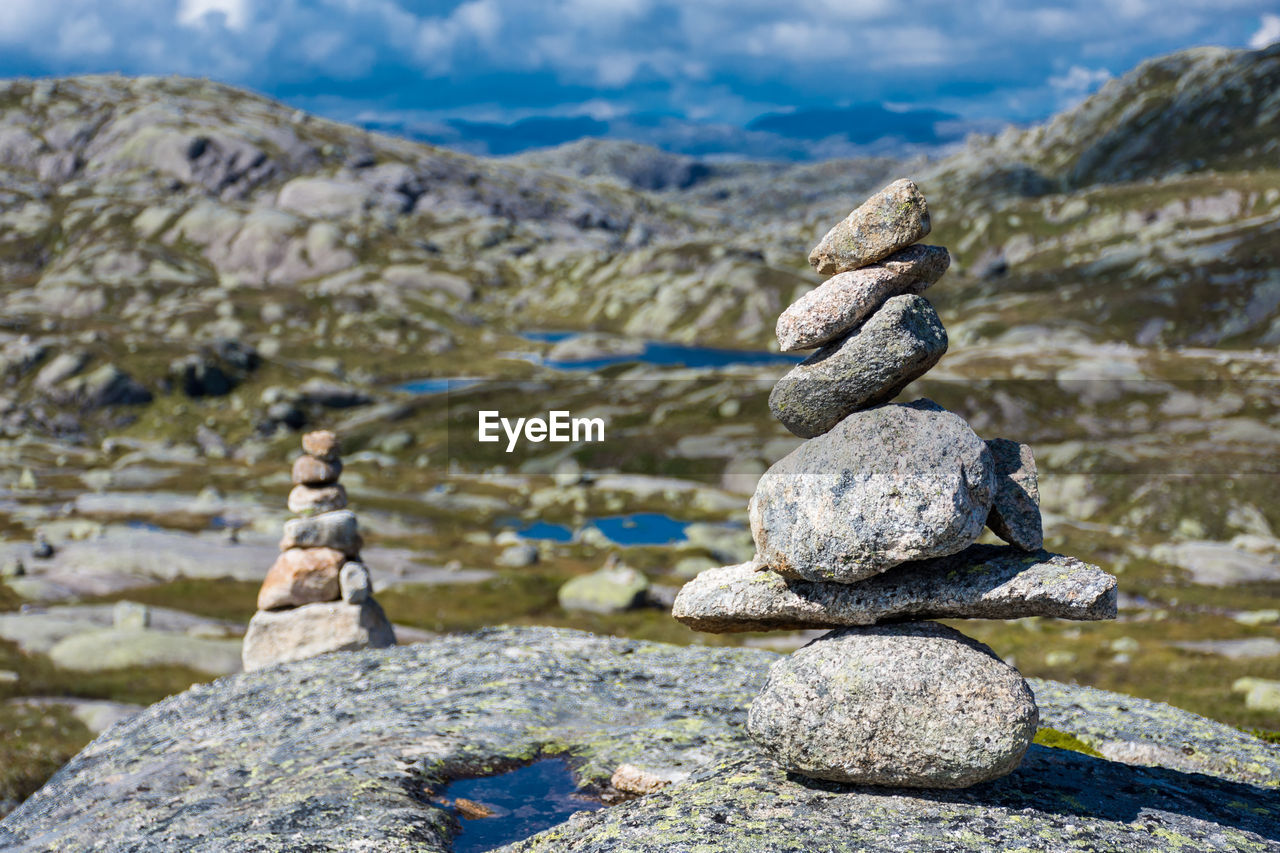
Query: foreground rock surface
899,343
980,582
892,484
917,705
376,731
314,629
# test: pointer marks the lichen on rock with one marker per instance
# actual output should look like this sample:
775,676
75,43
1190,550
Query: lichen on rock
343,752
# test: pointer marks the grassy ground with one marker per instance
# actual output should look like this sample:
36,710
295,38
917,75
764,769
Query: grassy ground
213,598
36,741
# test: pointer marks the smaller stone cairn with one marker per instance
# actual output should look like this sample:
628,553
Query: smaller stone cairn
870,527
317,597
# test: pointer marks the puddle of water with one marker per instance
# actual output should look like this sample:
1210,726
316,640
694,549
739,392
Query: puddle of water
546,530
641,528
436,386
662,354
524,801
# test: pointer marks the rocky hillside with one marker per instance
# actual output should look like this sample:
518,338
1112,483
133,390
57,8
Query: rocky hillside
161,235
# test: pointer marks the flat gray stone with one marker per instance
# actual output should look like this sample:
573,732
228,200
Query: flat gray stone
38,629
890,220
278,636
1015,513
896,483
338,530
916,704
347,751
898,343
308,500
115,648
97,715
1247,648
980,582
842,302
612,589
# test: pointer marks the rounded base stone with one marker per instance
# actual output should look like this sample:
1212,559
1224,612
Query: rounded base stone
914,705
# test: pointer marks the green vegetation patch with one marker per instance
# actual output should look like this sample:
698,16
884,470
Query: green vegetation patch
140,685
1063,740
36,741
212,598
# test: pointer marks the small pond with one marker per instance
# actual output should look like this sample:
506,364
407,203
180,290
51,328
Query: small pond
639,528
662,354
523,802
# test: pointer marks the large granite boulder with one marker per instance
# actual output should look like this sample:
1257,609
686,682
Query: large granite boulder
345,752
916,704
888,485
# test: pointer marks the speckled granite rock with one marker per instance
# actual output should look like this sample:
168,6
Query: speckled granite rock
1015,513
980,582
890,220
338,529
892,484
915,704
276,636
310,471
301,576
345,751
322,444
842,302
900,342
315,499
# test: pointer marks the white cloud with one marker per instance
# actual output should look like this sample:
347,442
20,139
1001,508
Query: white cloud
1077,84
723,61
1267,34
198,13
87,36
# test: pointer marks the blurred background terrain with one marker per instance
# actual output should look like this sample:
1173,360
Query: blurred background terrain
191,274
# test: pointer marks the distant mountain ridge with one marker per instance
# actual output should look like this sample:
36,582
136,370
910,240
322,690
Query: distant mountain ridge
148,221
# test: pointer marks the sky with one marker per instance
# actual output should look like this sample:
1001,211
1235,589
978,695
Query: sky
791,79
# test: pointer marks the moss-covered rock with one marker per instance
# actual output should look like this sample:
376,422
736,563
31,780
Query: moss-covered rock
344,752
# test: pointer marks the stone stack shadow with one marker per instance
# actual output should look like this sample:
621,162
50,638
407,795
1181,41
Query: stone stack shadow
870,526
318,596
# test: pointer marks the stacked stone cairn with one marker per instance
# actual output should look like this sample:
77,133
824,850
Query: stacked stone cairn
870,526
317,597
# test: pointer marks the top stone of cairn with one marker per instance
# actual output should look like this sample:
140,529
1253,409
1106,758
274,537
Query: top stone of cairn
890,220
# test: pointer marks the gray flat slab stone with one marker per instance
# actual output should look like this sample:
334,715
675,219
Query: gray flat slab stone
980,582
